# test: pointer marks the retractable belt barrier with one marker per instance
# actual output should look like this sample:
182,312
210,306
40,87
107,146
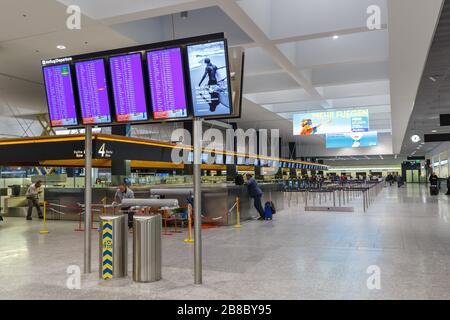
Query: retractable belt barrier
334,197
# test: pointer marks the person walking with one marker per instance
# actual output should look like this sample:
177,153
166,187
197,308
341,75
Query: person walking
256,193
448,186
32,195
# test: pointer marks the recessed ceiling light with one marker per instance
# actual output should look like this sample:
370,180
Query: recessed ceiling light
434,131
335,37
432,79
60,47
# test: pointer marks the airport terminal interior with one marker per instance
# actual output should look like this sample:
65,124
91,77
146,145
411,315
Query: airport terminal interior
224,149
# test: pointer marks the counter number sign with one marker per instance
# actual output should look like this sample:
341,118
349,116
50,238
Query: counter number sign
103,152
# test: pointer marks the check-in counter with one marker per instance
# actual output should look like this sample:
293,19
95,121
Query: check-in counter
217,200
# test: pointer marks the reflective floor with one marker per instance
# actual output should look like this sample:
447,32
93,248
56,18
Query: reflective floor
405,235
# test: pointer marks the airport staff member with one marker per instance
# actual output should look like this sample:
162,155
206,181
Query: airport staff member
256,193
32,195
123,192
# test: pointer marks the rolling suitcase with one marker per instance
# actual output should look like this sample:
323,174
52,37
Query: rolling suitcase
434,191
268,211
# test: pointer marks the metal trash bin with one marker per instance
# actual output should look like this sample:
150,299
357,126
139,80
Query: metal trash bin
113,246
147,248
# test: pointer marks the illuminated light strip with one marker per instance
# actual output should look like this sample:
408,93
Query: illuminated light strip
364,169
41,140
184,147
181,147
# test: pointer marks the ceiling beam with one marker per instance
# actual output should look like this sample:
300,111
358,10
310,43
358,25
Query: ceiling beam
240,17
328,34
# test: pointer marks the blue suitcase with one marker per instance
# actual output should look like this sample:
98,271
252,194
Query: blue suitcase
268,211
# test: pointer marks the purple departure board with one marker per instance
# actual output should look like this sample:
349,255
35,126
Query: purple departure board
167,88
128,87
93,91
60,97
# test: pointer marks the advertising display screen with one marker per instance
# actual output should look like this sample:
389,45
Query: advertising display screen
128,88
208,74
93,91
60,95
352,140
167,89
331,122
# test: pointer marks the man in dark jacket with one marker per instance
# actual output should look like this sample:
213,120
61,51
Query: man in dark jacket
448,186
256,193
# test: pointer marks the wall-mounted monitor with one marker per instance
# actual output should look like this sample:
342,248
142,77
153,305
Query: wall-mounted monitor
209,78
93,91
167,87
327,122
128,87
60,95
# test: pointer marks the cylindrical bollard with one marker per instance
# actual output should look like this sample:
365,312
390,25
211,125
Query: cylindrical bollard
147,248
113,246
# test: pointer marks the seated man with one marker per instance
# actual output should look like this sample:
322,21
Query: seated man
123,192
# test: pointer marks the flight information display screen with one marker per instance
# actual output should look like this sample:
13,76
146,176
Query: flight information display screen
93,92
208,74
60,95
165,70
128,88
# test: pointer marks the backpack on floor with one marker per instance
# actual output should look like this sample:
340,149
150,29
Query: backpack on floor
268,211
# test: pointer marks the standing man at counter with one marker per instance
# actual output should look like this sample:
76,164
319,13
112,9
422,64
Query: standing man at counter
32,195
256,193
123,192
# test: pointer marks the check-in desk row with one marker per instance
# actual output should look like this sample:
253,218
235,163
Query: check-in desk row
217,200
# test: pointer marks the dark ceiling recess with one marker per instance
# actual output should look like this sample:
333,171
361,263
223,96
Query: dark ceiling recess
433,95
416,158
444,120
440,137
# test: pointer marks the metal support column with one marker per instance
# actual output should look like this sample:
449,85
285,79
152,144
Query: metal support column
197,200
87,198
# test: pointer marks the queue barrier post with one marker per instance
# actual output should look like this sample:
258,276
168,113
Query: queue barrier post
44,229
238,214
189,238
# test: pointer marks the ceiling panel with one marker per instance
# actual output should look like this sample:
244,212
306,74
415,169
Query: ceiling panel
357,47
287,18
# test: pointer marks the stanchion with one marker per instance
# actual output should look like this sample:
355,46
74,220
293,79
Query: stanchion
165,224
189,239
238,214
80,228
44,230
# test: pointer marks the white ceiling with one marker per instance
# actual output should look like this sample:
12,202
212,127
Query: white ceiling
293,64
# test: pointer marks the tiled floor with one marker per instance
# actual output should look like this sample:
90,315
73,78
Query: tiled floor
406,233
